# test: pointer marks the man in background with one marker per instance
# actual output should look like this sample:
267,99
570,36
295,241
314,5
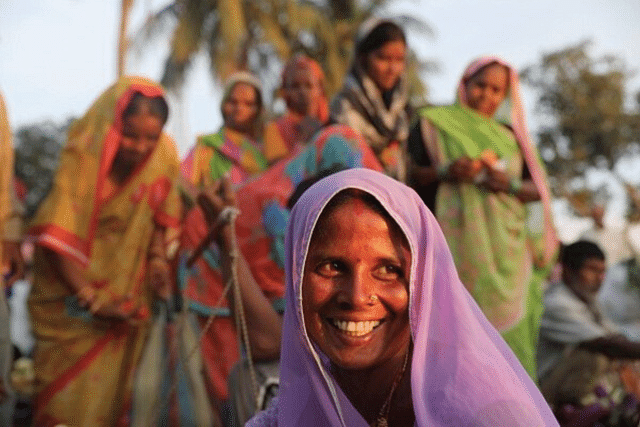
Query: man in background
579,348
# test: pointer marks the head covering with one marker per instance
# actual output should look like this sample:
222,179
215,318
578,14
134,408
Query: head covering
241,77
302,61
512,113
250,79
462,372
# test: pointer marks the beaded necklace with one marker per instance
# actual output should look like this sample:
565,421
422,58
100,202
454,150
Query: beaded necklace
383,414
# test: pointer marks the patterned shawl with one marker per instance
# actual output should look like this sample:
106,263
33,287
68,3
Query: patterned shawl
360,105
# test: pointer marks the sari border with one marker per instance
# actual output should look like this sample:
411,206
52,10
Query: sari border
60,240
59,383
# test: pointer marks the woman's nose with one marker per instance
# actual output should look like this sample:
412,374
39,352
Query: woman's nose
355,291
141,146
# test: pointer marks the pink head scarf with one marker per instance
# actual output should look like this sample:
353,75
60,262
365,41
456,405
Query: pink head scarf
518,123
462,372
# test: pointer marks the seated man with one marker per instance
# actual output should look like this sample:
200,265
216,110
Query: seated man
580,350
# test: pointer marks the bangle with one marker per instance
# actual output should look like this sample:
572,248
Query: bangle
443,172
515,185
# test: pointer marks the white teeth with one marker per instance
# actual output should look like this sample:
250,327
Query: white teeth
356,329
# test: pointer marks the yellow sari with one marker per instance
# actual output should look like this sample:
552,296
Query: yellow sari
84,365
6,172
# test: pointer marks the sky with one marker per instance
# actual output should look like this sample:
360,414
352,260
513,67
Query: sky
57,56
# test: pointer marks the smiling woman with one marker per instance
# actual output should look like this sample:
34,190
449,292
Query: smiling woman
355,289
476,168
355,300
379,329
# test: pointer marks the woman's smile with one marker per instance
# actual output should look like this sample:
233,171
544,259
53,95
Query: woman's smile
355,328
355,287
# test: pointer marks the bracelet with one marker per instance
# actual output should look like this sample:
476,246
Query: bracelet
515,185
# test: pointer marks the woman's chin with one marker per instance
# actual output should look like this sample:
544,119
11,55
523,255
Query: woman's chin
354,349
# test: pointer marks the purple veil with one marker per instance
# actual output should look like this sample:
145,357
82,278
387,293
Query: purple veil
462,372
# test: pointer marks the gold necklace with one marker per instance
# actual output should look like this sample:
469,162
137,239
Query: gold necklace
383,414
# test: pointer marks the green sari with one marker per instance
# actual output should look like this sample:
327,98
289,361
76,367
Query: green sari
487,232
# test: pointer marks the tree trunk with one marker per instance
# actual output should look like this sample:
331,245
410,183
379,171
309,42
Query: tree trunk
123,40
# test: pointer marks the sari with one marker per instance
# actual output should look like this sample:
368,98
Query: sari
462,371
85,364
6,210
292,125
260,230
232,153
360,104
501,258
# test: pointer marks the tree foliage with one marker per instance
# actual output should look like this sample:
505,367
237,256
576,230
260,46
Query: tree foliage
259,35
586,121
37,151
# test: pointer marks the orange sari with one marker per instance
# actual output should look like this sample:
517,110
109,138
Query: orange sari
84,364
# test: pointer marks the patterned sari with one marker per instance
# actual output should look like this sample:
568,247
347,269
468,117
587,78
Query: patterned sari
85,364
260,230
234,153
500,258
230,152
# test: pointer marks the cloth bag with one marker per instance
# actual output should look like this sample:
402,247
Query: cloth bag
243,402
169,387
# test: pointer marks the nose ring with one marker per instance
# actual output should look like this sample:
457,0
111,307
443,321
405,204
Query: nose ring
373,298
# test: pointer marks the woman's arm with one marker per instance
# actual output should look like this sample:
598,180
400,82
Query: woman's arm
263,322
422,173
158,269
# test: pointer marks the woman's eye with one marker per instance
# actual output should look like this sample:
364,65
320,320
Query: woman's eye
389,272
329,268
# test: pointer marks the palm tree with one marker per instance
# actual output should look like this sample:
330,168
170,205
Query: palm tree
259,35
123,40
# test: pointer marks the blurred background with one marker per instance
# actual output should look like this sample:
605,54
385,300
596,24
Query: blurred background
579,62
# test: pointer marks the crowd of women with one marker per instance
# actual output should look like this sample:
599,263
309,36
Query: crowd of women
300,253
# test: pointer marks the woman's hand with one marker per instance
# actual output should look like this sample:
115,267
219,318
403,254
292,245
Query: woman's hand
12,257
497,181
213,200
102,304
462,169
